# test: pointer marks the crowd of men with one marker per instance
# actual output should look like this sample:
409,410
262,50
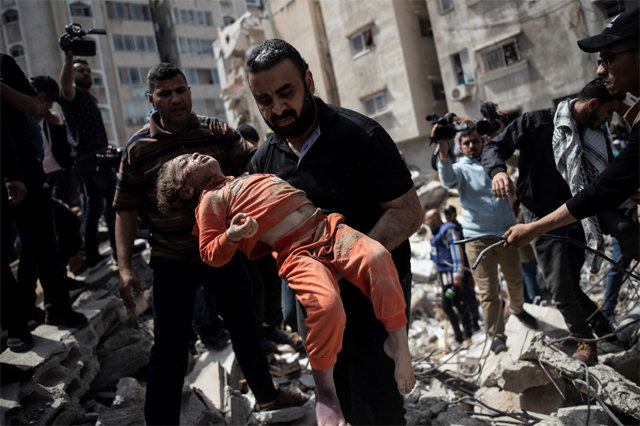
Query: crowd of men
347,164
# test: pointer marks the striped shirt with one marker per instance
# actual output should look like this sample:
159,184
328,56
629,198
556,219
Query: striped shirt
147,151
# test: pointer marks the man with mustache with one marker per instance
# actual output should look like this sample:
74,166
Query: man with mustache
174,129
86,127
559,148
346,163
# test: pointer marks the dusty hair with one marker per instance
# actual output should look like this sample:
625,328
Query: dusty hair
168,191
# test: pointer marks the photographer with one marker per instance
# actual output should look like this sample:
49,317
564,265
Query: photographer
87,129
483,214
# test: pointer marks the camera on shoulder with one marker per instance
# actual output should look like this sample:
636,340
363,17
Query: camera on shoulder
78,44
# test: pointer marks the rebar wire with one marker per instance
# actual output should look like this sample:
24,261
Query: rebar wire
551,378
602,404
474,401
502,239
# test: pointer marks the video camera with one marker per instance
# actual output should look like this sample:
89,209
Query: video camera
110,159
446,129
490,112
78,45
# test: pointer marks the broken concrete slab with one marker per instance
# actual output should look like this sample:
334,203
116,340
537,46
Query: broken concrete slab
195,411
239,407
626,363
456,416
577,415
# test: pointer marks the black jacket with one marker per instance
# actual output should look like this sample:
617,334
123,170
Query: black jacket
540,187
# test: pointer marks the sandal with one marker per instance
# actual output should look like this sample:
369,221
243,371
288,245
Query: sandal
285,399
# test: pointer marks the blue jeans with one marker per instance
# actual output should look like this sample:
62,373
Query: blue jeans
614,280
288,300
98,189
174,289
530,278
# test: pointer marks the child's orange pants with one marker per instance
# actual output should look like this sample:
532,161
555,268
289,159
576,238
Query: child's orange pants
308,259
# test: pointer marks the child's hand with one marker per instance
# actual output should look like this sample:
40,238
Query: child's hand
241,227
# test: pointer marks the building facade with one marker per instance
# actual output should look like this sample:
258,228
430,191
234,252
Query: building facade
522,55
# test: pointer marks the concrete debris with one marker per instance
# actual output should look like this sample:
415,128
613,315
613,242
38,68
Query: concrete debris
455,416
285,415
578,415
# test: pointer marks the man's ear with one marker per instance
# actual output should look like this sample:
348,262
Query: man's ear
308,78
150,98
186,192
592,104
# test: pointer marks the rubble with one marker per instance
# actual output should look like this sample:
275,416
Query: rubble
95,375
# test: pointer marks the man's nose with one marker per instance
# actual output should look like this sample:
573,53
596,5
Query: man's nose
601,71
278,107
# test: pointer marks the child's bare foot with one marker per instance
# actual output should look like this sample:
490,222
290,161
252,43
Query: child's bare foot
328,411
397,348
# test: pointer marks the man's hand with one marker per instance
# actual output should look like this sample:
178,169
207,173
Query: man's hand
502,186
65,42
520,235
241,227
16,191
128,280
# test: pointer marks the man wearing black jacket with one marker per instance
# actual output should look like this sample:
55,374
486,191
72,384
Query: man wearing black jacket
541,188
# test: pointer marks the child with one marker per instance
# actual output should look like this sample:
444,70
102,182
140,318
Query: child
262,213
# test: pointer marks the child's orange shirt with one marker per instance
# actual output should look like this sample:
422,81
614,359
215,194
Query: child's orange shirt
266,198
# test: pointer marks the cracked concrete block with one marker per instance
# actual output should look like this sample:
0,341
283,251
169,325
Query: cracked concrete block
129,393
578,415
522,375
239,407
456,416
47,345
195,411
626,363
543,399
497,398
492,371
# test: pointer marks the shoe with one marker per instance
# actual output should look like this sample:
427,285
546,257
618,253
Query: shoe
276,335
587,353
20,344
459,337
527,319
601,326
97,263
285,399
69,318
498,345
212,338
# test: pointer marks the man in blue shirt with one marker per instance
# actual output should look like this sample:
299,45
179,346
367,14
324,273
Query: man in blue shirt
484,213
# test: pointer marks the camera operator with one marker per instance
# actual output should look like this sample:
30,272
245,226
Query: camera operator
483,213
83,117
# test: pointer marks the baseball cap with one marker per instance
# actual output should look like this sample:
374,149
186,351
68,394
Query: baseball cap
46,84
622,27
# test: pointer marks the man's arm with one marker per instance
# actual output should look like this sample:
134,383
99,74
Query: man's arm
23,103
66,77
126,222
401,218
521,234
448,175
495,154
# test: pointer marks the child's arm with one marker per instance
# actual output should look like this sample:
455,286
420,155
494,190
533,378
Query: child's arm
217,243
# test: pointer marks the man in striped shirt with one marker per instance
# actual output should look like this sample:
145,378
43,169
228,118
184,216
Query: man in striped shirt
177,269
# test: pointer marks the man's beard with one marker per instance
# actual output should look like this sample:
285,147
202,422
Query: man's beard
85,84
593,121
301,123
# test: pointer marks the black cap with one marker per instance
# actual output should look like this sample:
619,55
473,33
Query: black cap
46,84
622,27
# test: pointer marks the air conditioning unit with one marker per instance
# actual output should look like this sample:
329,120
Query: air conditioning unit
460,92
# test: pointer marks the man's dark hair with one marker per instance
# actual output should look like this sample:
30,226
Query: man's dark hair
163,71
450,210
596,89
80,61
270,53
248,132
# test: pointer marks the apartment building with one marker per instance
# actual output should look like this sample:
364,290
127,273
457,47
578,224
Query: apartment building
521,55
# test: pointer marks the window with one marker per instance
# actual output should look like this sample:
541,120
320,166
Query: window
97,81
375,104
136,111
228,20
195,46
438,91
425,27
445,5
461,67
10,16
361,42
131,76
134,43
184,16
79,9
500,56
253,3
202,75
132,11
